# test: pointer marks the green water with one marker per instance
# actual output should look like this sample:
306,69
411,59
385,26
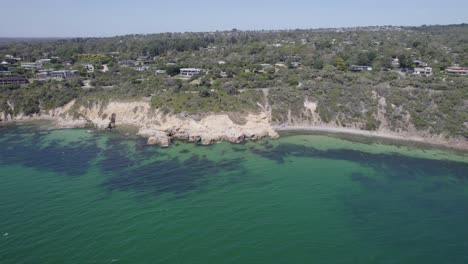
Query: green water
70,196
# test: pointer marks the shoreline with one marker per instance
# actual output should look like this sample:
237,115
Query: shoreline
432,140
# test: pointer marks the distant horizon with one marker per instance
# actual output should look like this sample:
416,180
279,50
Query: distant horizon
90,18
228,30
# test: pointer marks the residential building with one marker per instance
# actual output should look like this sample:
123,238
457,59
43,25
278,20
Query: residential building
396,62
420,63
190,71
13,80
159,72
356,68
221,62
423,71
457,70
223,74
4,63
63,74
31,65
43,74
265,65
44,61
295,64
5,73
89,67
67,63
143,58
127,63
142,68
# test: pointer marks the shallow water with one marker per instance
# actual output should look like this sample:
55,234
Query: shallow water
68,196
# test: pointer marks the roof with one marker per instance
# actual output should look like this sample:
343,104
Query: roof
191,69
13,79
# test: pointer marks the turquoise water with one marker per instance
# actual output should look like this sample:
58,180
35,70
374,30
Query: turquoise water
69,196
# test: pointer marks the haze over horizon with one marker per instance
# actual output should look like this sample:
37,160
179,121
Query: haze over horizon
53,18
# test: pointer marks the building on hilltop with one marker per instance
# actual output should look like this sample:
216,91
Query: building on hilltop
89,68
422,71
31,65
52,74
62,74
142,68
13,80
127,63
143,58
356,68
457,70
190,71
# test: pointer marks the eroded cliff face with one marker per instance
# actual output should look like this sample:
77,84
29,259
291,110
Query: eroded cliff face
388,125
158,127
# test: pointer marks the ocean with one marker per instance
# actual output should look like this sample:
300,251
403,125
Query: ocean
79,196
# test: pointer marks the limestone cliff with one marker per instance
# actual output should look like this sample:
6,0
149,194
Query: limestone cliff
158,127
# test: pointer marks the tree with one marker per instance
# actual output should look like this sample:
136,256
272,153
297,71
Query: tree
340,63
406,61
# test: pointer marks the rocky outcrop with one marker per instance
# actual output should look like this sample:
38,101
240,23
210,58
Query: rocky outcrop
160,129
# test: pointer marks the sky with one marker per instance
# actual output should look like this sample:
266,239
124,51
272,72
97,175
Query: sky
102,18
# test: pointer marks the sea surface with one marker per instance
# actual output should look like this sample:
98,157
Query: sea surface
78,196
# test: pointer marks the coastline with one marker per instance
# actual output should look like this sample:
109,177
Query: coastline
430,140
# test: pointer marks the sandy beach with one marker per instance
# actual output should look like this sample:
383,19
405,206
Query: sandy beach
433,140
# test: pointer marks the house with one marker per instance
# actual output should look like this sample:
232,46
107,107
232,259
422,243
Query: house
31,65
190,71
44,61
143,58
423,71
67,63
127,63
62,74
223,74
295,64
457,70
142,68
4,63
420,63
4,73
88,67
265,65
13,80
159,72
396,62
221,62
44,73
356,68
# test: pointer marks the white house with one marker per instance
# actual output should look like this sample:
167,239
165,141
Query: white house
89,67
356,68
423,71
142,68
31,65
190,71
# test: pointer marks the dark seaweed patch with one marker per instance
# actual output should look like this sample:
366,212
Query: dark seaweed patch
402,166
184,151
170,176
71,159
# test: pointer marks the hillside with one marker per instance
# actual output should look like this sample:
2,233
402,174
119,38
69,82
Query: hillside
300,77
